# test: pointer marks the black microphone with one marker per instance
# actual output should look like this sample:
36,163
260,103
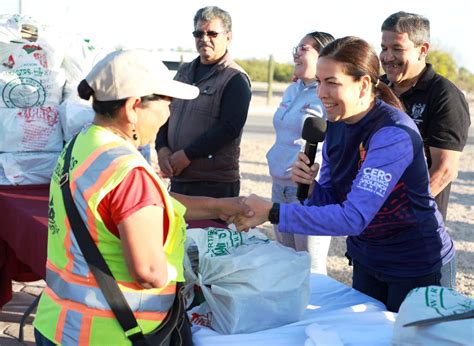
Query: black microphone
314,131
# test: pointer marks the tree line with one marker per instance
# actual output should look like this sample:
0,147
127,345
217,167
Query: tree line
443,63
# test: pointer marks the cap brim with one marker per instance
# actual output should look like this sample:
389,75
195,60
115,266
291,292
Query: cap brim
177,90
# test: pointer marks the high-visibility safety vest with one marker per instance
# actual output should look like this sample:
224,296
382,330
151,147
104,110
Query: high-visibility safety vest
72,309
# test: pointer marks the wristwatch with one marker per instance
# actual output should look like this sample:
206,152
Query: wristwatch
274,214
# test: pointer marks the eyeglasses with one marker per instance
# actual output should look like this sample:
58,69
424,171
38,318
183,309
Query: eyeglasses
301,48
210,34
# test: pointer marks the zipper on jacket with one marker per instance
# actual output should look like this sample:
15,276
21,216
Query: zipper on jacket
187,104
294,101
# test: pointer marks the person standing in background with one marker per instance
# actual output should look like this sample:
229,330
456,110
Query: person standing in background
299,102
199,147
437,106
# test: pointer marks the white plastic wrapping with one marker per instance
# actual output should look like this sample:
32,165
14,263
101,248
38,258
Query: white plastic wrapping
432,302
249,282
30,129
27,168
73,116
79,58
10,26
30,85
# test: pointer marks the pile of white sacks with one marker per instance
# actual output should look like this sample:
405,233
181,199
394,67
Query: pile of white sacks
39,107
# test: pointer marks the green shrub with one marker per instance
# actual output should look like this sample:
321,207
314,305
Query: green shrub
258,70
443,63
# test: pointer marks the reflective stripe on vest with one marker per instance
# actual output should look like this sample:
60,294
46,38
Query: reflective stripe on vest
87,180
73,301
92,297
74,314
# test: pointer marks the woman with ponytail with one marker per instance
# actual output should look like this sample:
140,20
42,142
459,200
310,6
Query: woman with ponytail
373,186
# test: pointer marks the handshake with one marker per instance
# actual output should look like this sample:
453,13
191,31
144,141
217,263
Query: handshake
253,210
244,212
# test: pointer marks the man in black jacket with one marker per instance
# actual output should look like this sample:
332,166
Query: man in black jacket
199,147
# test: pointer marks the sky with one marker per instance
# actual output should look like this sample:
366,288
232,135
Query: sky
260,28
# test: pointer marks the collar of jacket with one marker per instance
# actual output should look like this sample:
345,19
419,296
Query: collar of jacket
224,62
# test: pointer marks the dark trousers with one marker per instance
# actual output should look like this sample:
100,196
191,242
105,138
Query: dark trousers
392,290
206,188
41,340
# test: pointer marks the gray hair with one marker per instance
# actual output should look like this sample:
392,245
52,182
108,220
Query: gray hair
416,26
209,13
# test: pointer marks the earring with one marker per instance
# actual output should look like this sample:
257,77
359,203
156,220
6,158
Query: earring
134,136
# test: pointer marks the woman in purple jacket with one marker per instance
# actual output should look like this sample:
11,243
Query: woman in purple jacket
373,185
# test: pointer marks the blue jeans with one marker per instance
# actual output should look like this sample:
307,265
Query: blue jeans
41,340
317,246
392,290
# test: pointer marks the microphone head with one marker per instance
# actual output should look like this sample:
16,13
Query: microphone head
314,129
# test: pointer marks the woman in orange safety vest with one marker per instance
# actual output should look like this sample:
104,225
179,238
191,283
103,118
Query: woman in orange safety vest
137,226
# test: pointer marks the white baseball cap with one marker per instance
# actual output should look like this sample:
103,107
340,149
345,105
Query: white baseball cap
135,72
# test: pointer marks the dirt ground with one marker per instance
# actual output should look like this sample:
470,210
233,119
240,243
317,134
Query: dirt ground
460,220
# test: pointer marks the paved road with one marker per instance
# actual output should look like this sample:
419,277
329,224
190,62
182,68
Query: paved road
260,120
259,123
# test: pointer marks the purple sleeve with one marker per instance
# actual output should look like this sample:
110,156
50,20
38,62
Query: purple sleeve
390,152
323,192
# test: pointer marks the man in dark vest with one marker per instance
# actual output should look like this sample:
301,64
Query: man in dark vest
436,105
199,147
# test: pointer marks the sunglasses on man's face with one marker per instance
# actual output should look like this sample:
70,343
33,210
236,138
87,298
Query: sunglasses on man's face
210,34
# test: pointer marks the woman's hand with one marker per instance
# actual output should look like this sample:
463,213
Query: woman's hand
229,208
260,208
204,208
301,172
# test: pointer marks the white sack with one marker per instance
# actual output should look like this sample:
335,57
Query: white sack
200,316
10,26
73,116
30,85
30,129
47,54
78,61
249,282
430,302
27,168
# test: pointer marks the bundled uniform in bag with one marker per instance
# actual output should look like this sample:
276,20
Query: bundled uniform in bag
249,282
